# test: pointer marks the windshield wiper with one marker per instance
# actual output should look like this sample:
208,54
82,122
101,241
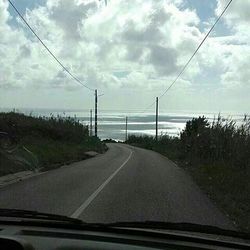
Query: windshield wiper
188,227
27,214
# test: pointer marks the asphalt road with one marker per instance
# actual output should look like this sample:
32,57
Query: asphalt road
124,184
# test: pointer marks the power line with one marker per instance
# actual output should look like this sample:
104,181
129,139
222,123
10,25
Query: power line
148,107
190,59
204,39
50,52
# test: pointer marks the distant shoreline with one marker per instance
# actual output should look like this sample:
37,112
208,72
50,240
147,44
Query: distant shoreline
111,124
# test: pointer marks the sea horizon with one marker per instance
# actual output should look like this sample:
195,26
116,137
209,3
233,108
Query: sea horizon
111,123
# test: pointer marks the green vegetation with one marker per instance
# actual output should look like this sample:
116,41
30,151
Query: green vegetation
217,155
42,142
109,141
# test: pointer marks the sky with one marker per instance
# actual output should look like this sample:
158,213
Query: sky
130,51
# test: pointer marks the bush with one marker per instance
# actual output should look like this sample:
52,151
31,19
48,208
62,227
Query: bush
165,144
222,141
57,128
217,155
43,142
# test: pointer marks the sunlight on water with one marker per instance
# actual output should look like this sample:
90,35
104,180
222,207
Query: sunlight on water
111,124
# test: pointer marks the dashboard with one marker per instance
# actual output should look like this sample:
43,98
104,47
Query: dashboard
17,237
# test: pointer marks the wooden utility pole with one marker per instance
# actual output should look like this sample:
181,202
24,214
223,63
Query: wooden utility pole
90,127
156,120
126,129
96,113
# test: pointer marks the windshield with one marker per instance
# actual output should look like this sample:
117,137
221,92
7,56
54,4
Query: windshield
126,111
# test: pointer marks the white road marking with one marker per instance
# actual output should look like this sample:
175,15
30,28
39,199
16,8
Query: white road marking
86,203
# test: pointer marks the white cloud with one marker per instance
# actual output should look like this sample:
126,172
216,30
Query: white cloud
4,14
150,40
133,35
236,74
238,10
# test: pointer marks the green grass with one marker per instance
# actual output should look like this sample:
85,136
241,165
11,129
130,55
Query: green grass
51,151
166,145
217,156
41,142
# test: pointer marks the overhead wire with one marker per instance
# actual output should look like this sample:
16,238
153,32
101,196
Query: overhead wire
190,59
80,82
46,47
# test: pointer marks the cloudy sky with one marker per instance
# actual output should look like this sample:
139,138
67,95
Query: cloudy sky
129,50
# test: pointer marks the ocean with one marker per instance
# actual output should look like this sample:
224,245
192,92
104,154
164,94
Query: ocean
111,124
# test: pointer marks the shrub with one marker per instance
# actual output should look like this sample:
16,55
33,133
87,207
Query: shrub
222,140
57,128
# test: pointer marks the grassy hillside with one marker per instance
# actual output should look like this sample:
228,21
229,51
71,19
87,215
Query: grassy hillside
217,155
41,142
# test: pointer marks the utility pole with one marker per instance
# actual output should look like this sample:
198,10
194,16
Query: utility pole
156,120
126,133
91,129
96,113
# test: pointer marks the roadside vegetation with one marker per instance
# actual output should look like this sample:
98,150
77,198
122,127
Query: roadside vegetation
28,142
217,155
109,141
